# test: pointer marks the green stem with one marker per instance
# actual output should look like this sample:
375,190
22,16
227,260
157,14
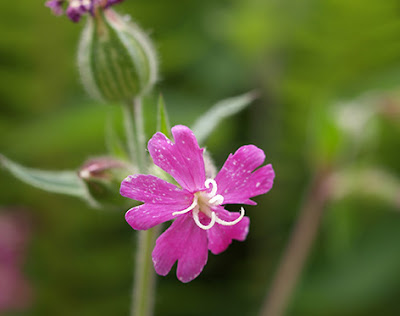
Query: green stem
144,276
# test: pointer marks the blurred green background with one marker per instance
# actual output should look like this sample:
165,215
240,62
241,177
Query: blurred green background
311,61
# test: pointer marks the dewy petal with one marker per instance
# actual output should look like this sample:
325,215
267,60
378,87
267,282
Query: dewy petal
183,159
150,189
185,242
220,237
237,182
161,199
149,215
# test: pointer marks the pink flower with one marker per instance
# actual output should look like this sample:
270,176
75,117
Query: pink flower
201,222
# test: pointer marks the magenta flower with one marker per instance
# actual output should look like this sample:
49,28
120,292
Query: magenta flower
77,8
201,222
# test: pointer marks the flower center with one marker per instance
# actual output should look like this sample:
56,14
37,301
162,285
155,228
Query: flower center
203,202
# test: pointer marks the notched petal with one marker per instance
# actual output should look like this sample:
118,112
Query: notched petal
183,160
150,189
237,180
184,242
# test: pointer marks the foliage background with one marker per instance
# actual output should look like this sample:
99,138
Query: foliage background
303,57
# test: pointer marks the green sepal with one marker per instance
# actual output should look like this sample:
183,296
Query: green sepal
163,124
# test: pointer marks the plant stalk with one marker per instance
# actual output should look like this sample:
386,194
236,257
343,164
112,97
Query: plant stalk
299,246
144,277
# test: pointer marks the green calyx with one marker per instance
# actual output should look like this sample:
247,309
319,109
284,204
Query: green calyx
116,59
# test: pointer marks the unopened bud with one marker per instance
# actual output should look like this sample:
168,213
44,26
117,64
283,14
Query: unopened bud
116,59
103,177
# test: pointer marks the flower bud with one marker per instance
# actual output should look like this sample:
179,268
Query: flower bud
116,59
103,177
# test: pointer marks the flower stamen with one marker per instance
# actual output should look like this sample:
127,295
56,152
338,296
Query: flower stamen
225,223
197,221
191,207
214,199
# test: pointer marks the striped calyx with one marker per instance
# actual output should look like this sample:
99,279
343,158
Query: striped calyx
116,59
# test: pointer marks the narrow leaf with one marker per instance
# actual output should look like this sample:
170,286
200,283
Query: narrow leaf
64,182
206,124
163,125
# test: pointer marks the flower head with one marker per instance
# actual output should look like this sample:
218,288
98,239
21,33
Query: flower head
201,221
77,8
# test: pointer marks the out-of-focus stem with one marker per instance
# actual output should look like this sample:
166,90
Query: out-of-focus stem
144,277
299,246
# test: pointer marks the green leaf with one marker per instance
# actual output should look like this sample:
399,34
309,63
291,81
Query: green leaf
63,182
206,124
163,125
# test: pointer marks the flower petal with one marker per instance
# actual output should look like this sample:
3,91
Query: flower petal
183,241
148,215
150,189
183,159
236,181
220,237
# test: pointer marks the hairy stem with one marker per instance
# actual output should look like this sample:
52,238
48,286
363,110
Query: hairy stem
299,247
144,276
